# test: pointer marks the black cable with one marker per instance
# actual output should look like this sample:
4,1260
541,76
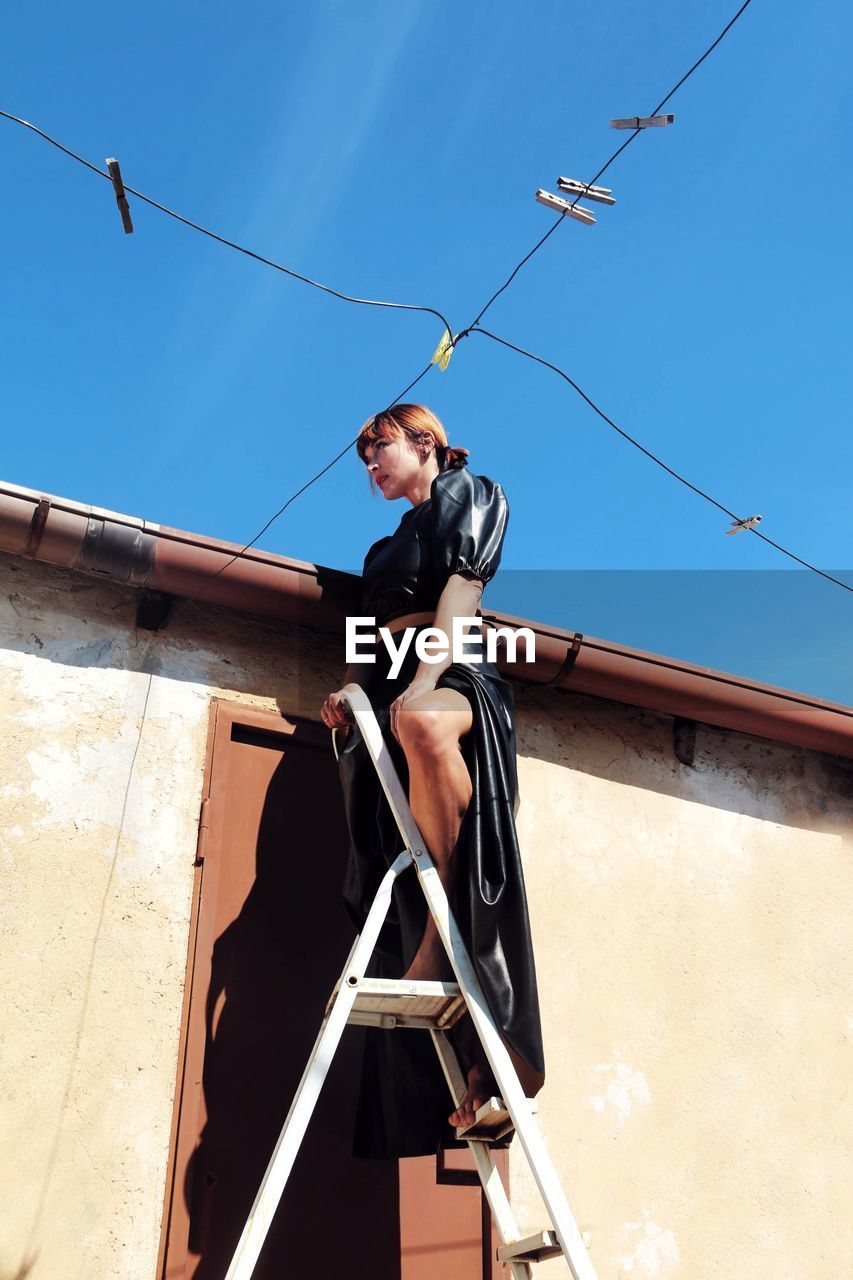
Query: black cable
657,110
562,373
607,165
370,302
511,277
250,253
711,47
299,492
401,306
473,327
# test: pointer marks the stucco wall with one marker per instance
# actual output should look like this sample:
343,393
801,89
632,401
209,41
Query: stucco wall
690,925
101,759
693,937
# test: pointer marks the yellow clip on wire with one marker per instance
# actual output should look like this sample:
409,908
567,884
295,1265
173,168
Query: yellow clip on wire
443,352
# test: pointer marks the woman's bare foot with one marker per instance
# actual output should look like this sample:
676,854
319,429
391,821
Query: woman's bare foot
479,1091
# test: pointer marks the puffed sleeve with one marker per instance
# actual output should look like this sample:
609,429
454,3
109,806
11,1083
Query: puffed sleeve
469,519
373,551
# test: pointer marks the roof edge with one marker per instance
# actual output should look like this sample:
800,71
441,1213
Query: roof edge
140,553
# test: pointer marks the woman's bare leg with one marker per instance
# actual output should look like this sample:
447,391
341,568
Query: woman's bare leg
430,729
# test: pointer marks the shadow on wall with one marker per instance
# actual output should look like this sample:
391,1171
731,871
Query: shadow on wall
274,965
731,771
22,1272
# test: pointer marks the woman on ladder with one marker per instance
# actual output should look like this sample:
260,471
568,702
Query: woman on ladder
450,728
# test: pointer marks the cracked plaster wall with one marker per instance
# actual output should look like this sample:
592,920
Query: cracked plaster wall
690,928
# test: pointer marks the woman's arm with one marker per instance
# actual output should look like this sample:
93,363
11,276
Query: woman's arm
459,599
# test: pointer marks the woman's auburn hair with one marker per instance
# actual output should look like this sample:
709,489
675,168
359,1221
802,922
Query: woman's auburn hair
417,424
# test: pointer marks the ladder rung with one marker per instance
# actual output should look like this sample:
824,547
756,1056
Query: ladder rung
531,1249
389,1003
492,1121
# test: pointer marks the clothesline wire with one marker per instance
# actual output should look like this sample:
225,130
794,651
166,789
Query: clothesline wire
336,293
707,496
307,485
213,235
601,172
473,327
400,306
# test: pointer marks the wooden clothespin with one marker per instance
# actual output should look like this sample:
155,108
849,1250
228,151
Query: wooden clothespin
643,122
739,525
603,195
562,206
121,197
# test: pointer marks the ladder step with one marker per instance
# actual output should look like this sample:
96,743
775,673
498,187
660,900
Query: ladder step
536,1248
491,1122
390,1003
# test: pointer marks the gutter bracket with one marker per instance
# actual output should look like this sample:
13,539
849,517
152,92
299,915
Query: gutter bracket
37,526
570,659
684,739
153,609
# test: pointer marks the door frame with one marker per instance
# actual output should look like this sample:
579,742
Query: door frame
224,713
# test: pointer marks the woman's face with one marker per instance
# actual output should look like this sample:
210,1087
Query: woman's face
395,466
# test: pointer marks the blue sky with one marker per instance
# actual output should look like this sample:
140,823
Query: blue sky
393,149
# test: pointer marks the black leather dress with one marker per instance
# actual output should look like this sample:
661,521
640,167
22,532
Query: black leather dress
404,1101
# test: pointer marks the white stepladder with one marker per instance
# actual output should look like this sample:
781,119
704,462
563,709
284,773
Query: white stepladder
432,1007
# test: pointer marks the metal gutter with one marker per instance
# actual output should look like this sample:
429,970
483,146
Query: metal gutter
123,548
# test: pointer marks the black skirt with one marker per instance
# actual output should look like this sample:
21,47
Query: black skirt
404,1101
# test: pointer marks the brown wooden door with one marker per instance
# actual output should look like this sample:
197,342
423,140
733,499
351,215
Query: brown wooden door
269,938
445,1226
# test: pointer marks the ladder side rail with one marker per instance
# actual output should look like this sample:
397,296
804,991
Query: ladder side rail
359,703
513,1095
493,1187
293,1130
